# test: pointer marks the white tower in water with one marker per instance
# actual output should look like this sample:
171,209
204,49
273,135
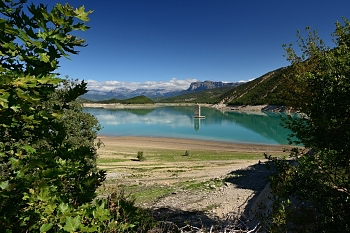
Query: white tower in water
197,112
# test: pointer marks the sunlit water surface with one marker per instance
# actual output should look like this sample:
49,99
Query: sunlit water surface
179,122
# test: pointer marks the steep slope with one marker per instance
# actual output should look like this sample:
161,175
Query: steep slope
267,89
211,96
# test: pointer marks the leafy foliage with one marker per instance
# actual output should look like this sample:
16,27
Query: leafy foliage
47,154
140,156
127,217
313,194
48,172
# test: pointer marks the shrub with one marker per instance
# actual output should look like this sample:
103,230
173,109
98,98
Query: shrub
140,156
312,193
126,217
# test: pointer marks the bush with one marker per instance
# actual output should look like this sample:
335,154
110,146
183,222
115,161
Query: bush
312,193
126,217
48,171
140,156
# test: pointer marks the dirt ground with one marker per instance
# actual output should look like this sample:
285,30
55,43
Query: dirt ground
243,179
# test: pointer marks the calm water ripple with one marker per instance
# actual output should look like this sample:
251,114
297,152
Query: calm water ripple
179,122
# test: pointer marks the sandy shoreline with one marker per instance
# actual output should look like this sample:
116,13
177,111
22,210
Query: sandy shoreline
188,144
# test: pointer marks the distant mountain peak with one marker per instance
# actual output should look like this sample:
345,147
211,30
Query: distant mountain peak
199,86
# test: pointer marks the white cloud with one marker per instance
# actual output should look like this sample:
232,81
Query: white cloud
244,81
173,84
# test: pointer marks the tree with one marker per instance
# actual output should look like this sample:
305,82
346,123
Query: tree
313,193
48,173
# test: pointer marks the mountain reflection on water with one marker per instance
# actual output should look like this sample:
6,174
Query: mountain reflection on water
179,122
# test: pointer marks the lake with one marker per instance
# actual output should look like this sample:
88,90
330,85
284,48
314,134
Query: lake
179,122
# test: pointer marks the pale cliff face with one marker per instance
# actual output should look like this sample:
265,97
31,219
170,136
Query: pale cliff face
198,86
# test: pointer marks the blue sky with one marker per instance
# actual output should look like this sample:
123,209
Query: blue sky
170,43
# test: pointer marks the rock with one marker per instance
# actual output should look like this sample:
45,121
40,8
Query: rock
264,199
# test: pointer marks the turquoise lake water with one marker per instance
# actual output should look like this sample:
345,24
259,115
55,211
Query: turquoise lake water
179,122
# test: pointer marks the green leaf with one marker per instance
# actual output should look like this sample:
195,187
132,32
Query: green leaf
72,224
56,115
50,208
4,184
45,227
29,149
89,228
81,14
44,57
101,213
63,207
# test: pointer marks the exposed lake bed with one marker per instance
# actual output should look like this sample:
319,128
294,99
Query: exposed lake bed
215,180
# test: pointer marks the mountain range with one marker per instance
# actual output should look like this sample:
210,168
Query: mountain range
155,94
269,89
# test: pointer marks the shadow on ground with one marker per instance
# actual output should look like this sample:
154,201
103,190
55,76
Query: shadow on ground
254,177
183,219
174,220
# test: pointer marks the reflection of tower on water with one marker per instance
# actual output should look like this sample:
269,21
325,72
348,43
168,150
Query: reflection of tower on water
197,117
197,123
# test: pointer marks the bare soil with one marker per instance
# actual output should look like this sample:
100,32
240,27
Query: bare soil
212,205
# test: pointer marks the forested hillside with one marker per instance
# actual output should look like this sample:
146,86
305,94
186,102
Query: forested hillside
211,96
267,89
134,100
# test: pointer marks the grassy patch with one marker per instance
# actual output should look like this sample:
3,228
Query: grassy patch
107,161
174,155
147,194
162,155
203,185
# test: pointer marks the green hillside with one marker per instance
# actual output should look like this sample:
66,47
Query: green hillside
267,89
84,100
211,96
138,100
134,100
